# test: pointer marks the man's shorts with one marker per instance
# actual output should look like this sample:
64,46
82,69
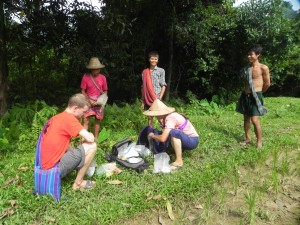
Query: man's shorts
71,160
96,111
247,104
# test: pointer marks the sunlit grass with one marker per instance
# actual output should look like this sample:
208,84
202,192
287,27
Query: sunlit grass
216,159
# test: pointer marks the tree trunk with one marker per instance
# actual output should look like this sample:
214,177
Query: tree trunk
170,63
3,63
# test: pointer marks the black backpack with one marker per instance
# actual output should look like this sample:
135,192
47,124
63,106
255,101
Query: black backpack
136,163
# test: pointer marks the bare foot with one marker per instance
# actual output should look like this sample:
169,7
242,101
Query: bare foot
84,185
177,164
246,142
258,145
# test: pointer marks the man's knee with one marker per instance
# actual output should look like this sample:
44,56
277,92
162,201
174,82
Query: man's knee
90,148
255,120
93,147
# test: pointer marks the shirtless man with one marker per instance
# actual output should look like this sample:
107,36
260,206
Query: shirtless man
250,103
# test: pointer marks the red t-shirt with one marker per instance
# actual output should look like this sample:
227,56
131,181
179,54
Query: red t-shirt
56,138
90,89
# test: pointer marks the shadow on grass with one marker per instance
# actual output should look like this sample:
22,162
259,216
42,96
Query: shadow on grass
226,132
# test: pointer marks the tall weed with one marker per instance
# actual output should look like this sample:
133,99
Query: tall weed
251,201
23,112
4,142
20,118
126,117
28,136
201,107
225,97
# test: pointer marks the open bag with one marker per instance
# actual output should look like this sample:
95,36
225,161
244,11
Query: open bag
124,153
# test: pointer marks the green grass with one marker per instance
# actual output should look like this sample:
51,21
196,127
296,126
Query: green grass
216,158
251,199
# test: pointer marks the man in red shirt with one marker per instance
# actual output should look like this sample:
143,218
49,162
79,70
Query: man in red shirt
93,85
55,142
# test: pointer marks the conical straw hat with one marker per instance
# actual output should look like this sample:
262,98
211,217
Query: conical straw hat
158,108
94,64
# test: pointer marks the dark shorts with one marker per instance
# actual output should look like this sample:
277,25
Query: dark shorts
71,160
247,104
187,142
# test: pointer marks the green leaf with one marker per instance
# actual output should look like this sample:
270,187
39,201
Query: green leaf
104,134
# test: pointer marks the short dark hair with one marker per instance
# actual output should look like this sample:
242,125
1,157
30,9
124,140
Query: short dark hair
79,100
153,54
257,49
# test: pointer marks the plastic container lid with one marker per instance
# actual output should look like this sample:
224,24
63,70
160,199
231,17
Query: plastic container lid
134,160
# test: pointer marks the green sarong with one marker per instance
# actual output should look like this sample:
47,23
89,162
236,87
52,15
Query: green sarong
251,105
247,104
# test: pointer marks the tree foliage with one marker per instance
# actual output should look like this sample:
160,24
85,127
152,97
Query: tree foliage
202,46
272,23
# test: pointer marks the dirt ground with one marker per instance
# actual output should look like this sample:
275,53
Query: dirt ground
277,198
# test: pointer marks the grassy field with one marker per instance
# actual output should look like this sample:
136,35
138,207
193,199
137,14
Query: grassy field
216,159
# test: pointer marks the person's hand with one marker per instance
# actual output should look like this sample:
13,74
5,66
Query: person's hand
90,138
142,106
151,134
93,102
87,136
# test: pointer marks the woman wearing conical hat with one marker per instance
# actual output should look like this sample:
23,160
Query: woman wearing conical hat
93,85
176,128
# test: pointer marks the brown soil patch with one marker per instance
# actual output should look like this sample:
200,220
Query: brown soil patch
277,198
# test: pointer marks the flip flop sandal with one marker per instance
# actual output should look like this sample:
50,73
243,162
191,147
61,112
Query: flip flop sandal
175,167
243,143
88,185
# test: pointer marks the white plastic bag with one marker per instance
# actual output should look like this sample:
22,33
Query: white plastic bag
102,99
91,170
128,152
107,169
161,163
142,150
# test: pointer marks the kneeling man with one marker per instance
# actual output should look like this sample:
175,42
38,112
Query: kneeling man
55,157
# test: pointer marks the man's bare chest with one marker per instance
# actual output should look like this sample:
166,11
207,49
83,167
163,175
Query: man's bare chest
256,73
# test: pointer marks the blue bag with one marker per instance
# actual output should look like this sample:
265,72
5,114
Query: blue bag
46,181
